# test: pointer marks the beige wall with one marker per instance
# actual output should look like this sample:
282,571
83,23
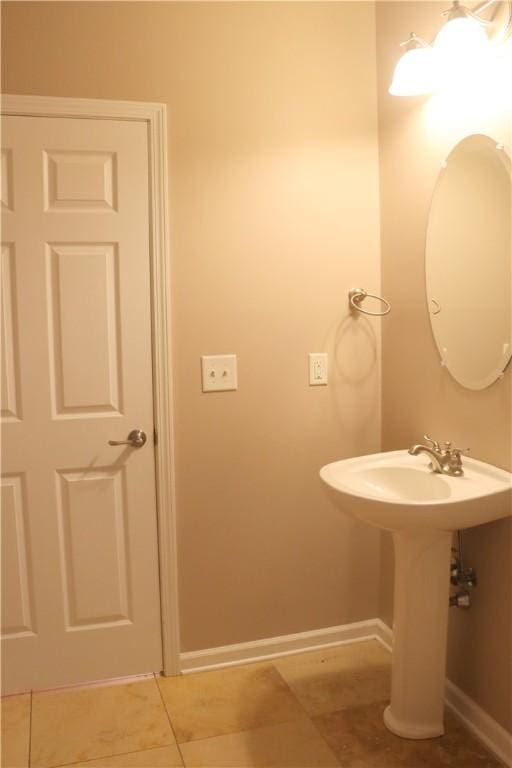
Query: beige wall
274,208
415,134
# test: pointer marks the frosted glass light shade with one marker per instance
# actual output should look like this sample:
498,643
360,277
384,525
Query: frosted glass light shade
460,41
415,73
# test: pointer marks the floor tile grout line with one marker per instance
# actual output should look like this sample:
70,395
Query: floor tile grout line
242,730
104,757
109,682
309,717
107,757
261,727
303,713
169,718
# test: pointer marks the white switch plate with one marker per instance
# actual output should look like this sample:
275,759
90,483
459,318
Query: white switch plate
318,368
219,373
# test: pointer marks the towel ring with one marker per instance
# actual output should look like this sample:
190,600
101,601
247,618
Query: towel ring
357,295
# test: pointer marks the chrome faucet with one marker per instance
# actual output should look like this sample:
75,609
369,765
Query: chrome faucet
445,460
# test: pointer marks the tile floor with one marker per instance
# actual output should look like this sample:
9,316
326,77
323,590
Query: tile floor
308,710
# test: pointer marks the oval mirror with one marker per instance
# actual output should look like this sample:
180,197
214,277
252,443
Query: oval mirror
468,262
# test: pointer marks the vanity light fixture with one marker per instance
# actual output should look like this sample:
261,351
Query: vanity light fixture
463,33
461,44
415,71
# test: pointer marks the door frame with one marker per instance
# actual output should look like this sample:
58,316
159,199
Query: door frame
155,117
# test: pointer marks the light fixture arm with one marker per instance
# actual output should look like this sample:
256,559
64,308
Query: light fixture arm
506,32
458,11
413,41
483,6
478,10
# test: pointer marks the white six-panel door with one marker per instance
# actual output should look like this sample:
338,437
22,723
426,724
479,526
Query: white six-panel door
80,594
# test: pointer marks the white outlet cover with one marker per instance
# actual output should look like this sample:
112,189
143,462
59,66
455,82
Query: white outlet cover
219,373
318,368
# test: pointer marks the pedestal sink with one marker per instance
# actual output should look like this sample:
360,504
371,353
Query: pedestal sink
400,493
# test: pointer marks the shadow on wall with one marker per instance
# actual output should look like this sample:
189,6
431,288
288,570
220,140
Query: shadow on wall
356,380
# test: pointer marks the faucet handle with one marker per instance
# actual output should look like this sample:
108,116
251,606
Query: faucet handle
453,458
459,451
435,444
447,448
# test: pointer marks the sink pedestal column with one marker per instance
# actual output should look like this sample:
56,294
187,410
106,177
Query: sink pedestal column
422,589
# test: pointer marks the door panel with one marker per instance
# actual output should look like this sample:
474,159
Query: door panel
80,181
83,290
10,352
79,552
6,179
17,607
93,529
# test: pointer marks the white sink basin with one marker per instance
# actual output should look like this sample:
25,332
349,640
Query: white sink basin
397,491
400,493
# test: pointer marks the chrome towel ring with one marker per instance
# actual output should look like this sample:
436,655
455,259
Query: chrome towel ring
357,295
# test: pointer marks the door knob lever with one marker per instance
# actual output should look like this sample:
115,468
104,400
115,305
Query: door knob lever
136,439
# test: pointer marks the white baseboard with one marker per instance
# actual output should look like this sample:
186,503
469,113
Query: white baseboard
476,720
270,648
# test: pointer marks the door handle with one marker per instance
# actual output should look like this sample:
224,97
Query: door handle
136,439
